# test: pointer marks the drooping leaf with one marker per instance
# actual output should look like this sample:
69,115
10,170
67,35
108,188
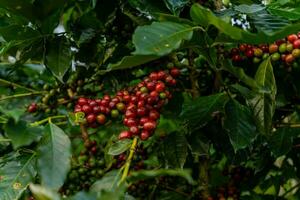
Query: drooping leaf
175,150
205,17
282,140
16,172
42,193
108,182
119,147
199,111
263,104
160,38
58,57
148,174
22,135
131,61
239,124
54,157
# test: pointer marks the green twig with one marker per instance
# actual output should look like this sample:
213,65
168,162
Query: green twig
48,119
21,95
128,161
5,140
16,85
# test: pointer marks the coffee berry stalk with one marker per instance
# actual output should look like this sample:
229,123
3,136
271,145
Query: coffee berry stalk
139,106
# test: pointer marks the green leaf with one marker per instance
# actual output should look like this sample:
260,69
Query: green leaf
263,104
22,135
205,17
54,157
175,6
291,13
239,73
83,196
22,8
239,124
18,33
199,111
58,57
108,182
16,172
148,174
148,7
161,38
131,61
175,148
41,193
119,147
282,140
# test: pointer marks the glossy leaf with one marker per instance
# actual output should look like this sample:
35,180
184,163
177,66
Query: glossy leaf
41,193
263,104
205,17
58,57
119,147
16,173
175,148
22,135
239,124
131,61
54,157
199,111
160,38
18,33
148,174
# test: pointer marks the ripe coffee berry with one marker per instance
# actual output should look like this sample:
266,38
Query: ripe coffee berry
32,108
124,135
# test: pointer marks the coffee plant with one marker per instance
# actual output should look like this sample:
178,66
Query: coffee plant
172,99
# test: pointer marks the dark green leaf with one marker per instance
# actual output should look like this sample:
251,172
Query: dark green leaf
119,147
175,6
16,173
23,8
58,57
263,104
160,38
148,7
22,135
205,17
41,193
131,61
175,150
239,73
54,157
239,124
148,174
199,111
282,140
18,32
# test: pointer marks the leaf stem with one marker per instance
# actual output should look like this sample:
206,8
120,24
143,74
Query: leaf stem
21,95
48,119
16,85
129,159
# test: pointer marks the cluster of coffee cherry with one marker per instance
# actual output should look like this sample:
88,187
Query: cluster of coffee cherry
86,168
286,50
140,105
